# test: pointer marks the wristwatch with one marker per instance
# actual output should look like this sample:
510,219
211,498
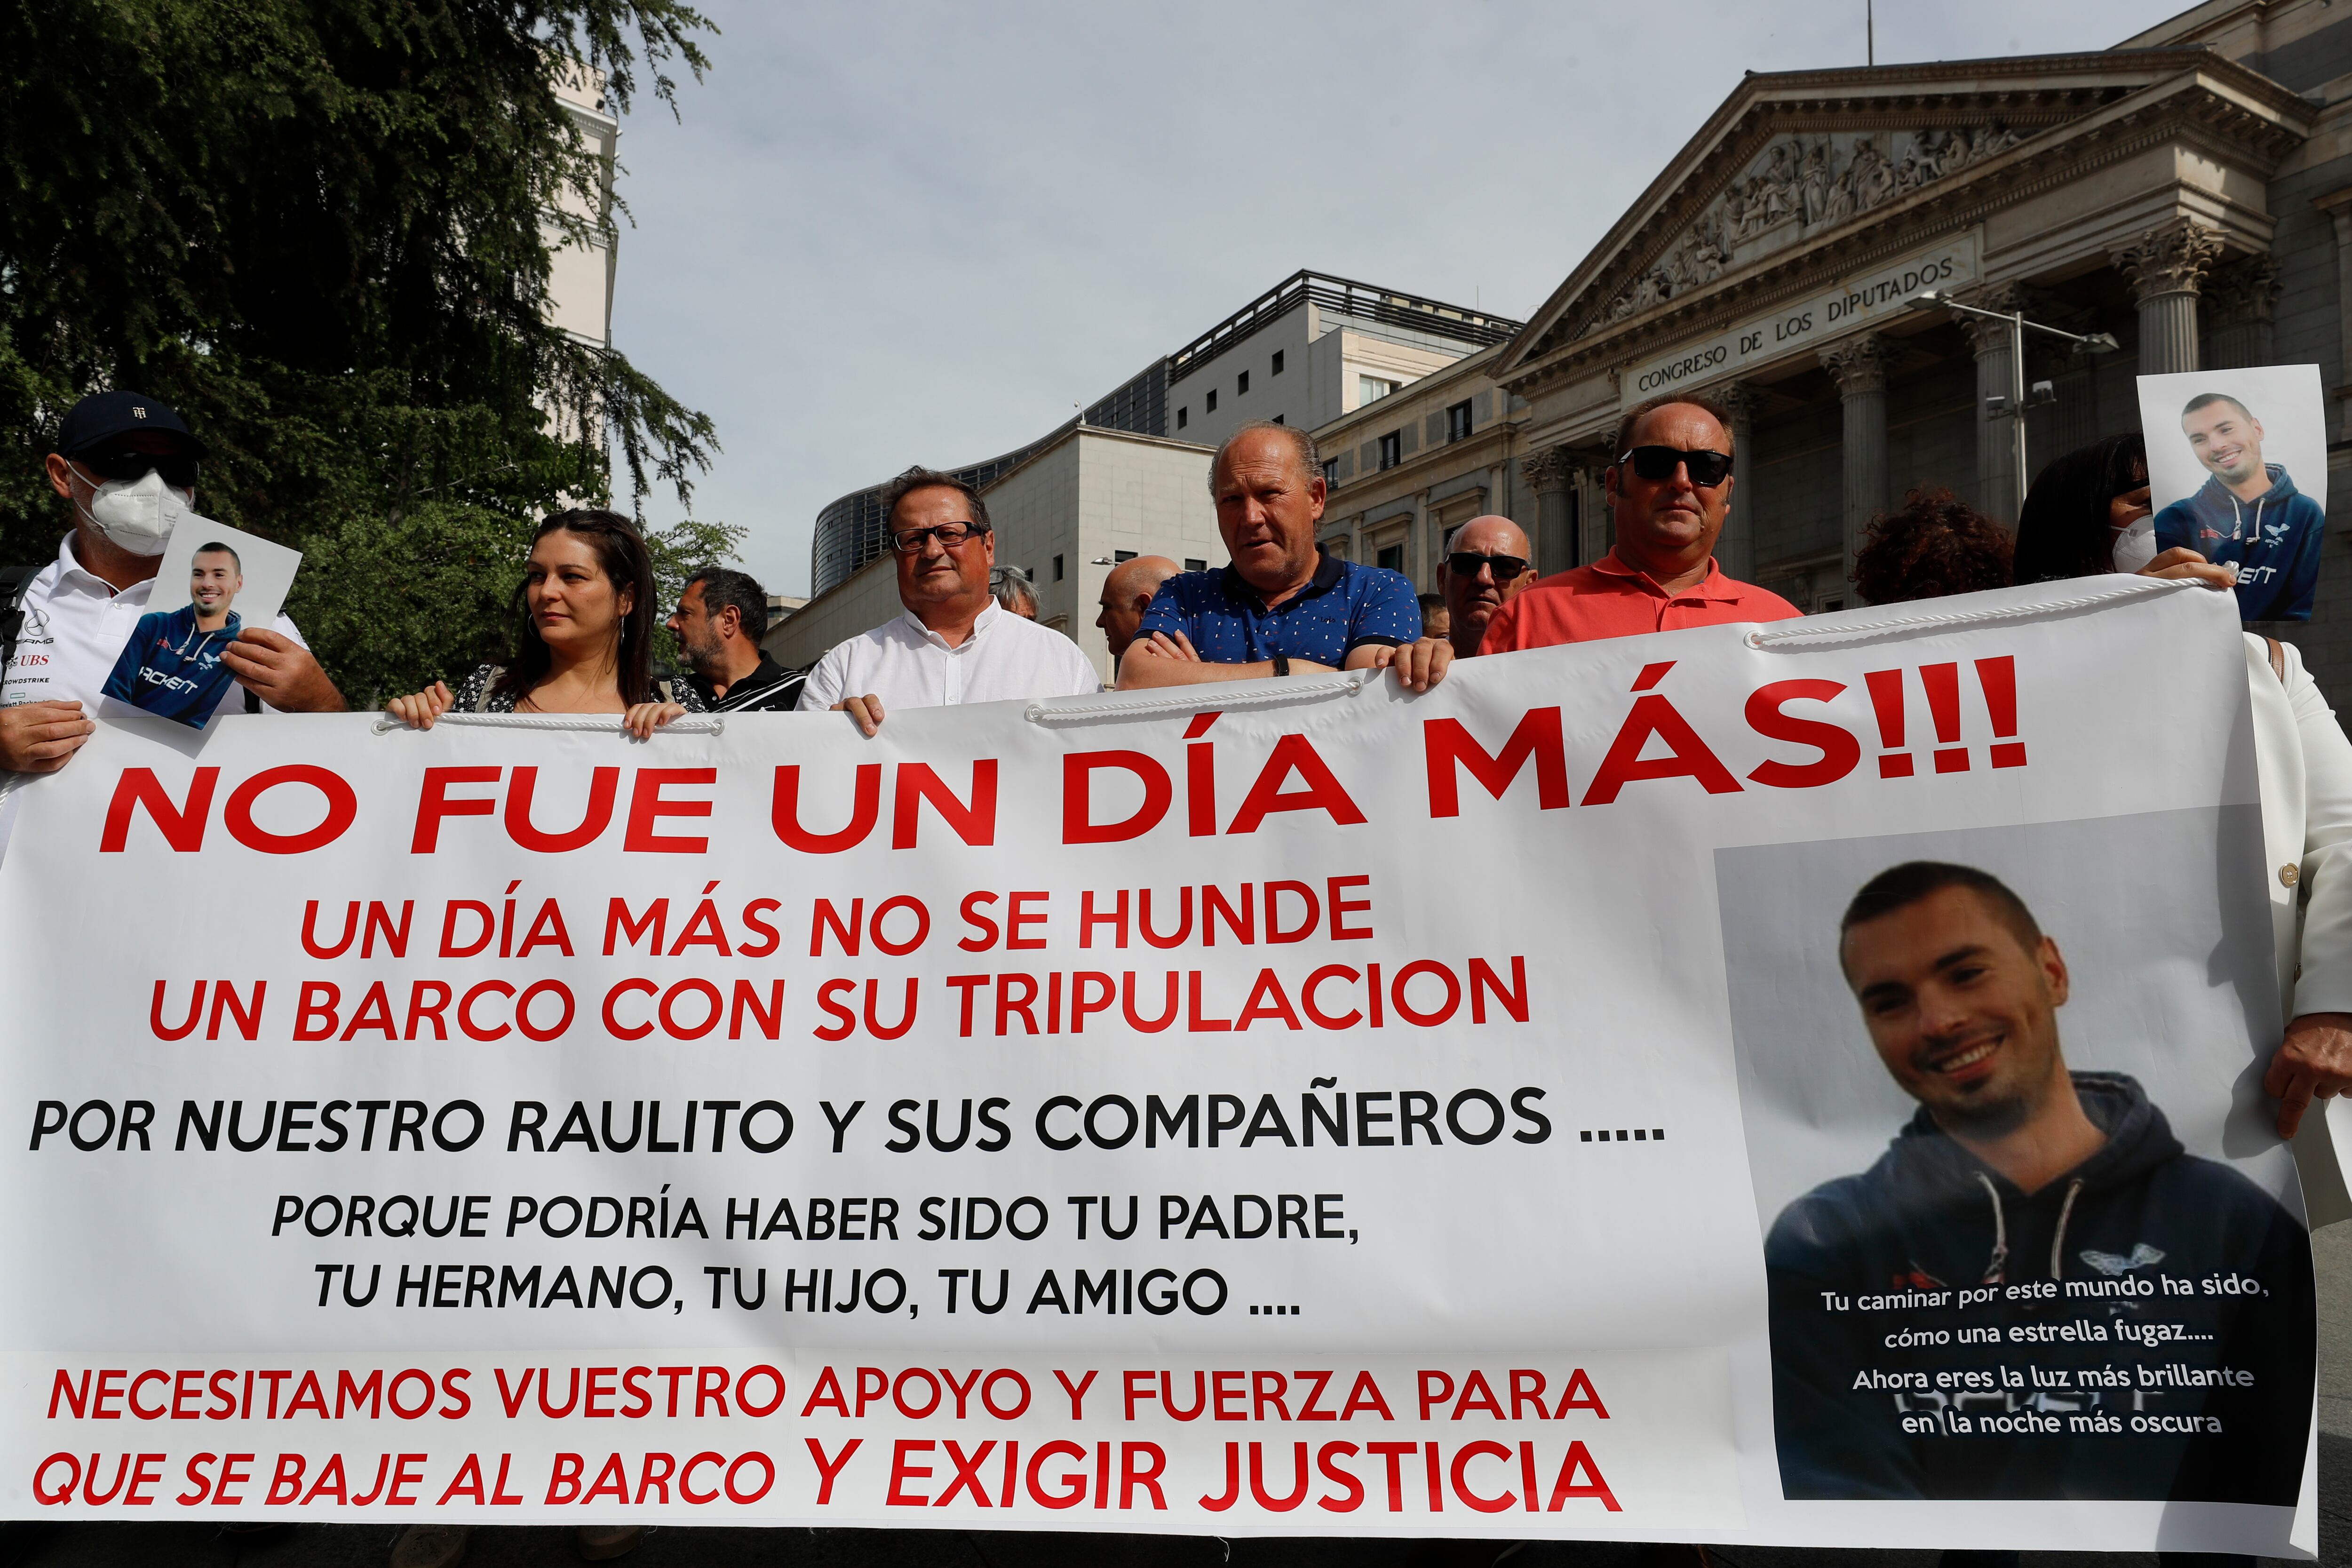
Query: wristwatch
1281,664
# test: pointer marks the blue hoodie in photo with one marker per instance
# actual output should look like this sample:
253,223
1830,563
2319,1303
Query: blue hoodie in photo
171,669
2139,1329
2273,540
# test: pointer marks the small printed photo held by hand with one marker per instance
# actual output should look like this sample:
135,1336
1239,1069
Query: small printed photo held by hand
2021,1239
2237,465
215,581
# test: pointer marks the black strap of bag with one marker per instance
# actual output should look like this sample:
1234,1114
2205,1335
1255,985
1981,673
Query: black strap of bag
14,583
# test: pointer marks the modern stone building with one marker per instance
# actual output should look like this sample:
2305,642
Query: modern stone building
2189,192
1306,352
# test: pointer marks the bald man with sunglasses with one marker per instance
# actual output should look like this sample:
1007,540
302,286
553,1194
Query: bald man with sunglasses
1669,490
1487,564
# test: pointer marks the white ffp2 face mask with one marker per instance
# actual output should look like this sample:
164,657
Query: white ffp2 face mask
2135,547
138,515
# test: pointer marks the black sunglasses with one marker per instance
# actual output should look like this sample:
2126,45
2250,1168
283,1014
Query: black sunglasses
1466,562
178,471
1657,464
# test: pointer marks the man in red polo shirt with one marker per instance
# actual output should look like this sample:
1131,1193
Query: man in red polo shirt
1668,490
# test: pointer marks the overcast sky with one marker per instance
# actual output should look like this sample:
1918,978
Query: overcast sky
893,233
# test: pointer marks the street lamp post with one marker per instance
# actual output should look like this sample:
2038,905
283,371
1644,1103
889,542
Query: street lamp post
2013,406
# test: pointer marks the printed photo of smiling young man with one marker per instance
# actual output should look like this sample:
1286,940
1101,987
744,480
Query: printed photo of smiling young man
2248,515
172,665
2036,1292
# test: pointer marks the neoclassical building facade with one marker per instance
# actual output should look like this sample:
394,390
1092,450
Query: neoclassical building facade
1770,264
2189,193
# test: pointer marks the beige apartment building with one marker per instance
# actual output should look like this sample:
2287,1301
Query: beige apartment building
1312,349
579,276
1407,469
1304,353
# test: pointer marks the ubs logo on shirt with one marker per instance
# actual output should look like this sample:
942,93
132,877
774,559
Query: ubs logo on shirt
32,653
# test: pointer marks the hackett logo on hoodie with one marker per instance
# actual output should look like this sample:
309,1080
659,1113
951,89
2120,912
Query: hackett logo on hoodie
170,667
2273,540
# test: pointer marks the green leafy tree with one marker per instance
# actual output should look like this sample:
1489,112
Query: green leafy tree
323,230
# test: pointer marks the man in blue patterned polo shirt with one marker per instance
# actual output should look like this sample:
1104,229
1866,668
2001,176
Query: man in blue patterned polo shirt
1283,608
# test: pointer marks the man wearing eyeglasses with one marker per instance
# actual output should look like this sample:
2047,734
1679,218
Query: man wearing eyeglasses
955,644
127,466
1487,564
1669,490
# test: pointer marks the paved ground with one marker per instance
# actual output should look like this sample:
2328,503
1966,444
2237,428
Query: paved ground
324,1546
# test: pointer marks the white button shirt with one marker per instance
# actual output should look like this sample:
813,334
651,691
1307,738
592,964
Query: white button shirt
1008,658
75,625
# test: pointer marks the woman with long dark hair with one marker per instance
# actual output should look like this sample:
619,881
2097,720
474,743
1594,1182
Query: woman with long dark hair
586,641
2081,505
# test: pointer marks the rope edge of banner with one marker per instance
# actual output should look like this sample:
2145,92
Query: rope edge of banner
1271,693
592,724
1798,633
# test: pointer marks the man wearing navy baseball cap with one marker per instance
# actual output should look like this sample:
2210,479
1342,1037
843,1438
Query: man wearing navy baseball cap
126,464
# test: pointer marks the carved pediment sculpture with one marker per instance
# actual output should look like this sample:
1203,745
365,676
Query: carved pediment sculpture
1813,183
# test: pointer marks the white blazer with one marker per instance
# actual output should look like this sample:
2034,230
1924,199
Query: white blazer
2305,764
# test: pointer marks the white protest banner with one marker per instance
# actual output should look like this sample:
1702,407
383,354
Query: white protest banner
1298,1107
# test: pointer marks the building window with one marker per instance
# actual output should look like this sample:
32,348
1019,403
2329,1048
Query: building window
1457,421
1331,473
1183,417
1240,384
1192,563
1391,558
1213,403
1277,362
1392,449
1122,555
1058,568
1372,389
1277,420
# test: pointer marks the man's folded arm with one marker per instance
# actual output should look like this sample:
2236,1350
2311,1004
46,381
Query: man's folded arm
1140,668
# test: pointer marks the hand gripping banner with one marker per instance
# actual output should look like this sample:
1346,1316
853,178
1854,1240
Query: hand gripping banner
1682,1088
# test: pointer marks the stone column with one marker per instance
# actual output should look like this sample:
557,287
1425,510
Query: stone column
2241,299
1995,433
1859,366
2337,206
1596,523
2166,267
1551,473
1735,551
